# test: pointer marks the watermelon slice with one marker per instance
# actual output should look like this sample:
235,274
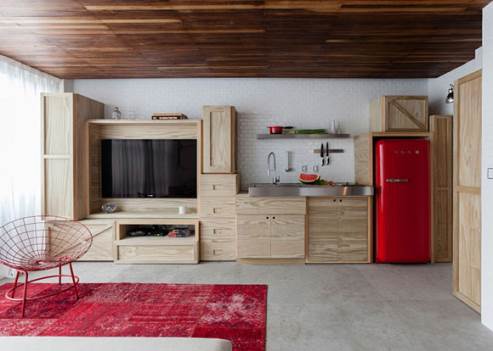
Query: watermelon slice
308,178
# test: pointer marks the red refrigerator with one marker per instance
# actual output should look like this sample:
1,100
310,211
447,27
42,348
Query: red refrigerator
402,201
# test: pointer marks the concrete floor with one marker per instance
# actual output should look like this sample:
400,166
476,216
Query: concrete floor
336,307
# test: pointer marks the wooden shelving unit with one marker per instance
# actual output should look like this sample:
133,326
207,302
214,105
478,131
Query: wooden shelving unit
303,136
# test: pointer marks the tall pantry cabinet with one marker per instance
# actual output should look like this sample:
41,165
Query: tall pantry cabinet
467,191
64,153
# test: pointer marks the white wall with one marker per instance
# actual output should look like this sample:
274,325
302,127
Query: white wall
303,103
487,161
437,87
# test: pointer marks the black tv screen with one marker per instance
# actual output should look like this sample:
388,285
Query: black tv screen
149,168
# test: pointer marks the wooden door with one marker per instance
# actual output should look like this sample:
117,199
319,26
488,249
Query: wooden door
467,191
323,229
103,235
287,236
253,236
354,231
441,131
219,139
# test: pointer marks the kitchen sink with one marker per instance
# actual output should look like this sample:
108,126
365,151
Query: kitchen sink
298,189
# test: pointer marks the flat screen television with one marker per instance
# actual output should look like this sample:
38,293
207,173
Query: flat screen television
143,168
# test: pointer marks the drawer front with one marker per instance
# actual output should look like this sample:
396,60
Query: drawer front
271,205
219,184
217,250
218,228
287,248
217,207
103,234
253,227
256,248
157,254
288,227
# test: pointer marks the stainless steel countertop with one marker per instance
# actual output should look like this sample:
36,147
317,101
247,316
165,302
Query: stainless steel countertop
297,189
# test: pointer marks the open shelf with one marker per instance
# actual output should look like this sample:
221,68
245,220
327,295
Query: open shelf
143,215
303,136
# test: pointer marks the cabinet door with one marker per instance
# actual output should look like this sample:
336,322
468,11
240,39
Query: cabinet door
253,236
287,236
323,229
103,235
219,139
353,242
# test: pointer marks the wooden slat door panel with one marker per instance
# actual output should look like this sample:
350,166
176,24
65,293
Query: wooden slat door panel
467,191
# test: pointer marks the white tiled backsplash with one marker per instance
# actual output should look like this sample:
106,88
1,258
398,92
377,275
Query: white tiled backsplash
302,103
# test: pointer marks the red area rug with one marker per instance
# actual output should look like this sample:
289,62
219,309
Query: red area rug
232,312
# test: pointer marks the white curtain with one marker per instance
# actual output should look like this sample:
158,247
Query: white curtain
20,137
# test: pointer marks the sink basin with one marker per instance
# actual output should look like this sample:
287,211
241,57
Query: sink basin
298,189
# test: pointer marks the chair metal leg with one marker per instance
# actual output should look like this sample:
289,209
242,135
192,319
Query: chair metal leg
74,281
24,297
60,275
16,281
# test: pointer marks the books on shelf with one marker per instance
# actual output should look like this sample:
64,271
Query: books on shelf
168,116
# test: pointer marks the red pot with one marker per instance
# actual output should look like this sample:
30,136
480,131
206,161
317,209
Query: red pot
275,129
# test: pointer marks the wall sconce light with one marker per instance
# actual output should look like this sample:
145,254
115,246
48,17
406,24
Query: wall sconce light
450,95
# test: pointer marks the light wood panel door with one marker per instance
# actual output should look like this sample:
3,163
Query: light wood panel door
219,139
271,236
467,191
441,131
339,230
103,235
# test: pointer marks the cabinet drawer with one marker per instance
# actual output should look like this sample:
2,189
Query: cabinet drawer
217,250
217,207
287,248
103,234
156,254
219,184
218,228
272,205
254,248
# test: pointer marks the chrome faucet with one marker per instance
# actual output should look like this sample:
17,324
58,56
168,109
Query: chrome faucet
275,179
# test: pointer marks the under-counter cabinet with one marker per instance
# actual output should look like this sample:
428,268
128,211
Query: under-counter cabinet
103,234
271,236
339,230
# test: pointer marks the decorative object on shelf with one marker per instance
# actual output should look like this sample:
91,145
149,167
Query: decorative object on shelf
168,116
41,243
275,129
116,114
109,207
182,210
308,178
334,128
450,95
289,156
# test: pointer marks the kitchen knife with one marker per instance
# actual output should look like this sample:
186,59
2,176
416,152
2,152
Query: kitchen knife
322,153
327,153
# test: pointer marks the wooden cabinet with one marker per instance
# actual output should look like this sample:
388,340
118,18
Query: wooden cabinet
65,164
339,230
217,200
399,113
441,145
219,139
271,236
103,235
467,190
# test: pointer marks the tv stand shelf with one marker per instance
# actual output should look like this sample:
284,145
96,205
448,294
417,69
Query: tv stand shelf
156,249
142,215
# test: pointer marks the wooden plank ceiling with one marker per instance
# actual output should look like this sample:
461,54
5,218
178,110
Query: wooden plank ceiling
270,38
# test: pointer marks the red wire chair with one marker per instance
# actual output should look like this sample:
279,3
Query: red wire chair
40,243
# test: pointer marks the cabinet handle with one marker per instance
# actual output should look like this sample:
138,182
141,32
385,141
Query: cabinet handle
213,186
214,231
214,210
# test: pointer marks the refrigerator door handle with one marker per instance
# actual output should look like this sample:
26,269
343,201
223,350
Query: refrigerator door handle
396,180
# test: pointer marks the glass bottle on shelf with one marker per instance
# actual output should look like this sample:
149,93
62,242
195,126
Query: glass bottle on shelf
116,114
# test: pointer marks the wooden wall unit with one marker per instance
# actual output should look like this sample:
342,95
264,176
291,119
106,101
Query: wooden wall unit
139,129
467,190
103,234
339,230
441,145
399,114
219,139
217,216
65,162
